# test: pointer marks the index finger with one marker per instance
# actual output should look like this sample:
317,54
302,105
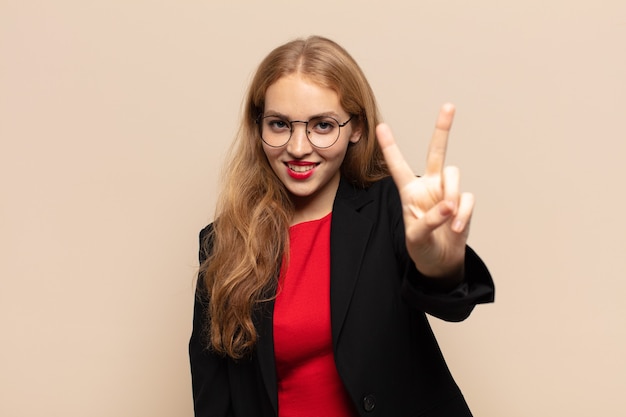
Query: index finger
400,170
439,142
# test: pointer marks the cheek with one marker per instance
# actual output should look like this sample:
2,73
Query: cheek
268,152
337,153
271,155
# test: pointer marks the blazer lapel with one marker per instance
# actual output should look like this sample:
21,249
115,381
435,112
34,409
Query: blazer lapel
350,232
265,352
349,235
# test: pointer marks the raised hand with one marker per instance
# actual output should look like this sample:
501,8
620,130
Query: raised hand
436,214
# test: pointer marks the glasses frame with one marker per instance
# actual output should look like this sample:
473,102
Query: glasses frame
260,119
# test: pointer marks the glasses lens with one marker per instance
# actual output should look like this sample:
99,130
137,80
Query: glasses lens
275,131
323,131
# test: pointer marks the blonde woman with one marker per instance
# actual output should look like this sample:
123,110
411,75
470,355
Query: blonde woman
327,253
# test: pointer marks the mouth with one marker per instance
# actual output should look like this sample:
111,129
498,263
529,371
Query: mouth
300,170
300,167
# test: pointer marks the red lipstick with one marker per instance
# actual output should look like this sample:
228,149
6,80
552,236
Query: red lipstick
300,170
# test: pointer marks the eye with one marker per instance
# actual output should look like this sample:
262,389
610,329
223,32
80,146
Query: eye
276,124
323,125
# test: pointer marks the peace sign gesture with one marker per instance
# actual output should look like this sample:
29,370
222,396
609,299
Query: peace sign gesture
436,214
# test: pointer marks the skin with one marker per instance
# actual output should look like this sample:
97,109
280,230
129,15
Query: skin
297,98
436,213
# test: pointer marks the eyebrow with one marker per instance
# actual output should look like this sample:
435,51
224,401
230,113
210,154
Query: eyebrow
284,116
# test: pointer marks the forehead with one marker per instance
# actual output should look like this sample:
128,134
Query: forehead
297,96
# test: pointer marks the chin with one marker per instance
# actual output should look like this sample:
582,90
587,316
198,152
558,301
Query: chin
299,193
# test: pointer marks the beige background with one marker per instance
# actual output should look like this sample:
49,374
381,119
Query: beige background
114,119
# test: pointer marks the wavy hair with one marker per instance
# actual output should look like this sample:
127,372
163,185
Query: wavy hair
249,239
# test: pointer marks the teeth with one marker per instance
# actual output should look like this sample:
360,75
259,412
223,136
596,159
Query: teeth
300,168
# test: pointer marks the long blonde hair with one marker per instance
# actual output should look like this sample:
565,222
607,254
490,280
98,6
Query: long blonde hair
250,234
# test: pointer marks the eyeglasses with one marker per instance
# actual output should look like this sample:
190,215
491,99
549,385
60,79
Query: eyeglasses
322,132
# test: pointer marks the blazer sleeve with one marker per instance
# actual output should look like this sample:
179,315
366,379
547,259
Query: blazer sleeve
451,305
209,371
477,287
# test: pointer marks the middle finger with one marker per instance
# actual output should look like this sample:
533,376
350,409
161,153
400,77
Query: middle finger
439,142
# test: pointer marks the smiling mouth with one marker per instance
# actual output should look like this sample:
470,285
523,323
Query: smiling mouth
301,168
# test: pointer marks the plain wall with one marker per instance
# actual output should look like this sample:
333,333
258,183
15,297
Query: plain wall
114,120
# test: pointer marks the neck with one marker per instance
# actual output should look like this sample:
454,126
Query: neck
315,206
301,216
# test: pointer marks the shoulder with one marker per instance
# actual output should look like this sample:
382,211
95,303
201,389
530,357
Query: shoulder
349,191
205,242
206,231
380,195
384,186
377,207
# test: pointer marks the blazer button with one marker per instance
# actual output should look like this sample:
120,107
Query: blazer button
369,403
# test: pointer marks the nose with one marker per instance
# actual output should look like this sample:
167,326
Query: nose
299,145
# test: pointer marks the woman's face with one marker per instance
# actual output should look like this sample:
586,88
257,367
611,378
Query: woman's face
310,174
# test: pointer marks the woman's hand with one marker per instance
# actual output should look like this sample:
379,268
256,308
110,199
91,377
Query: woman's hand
436,214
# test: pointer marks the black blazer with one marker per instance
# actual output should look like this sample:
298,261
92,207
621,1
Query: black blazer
385,351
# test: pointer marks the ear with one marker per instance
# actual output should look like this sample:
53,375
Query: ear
355,136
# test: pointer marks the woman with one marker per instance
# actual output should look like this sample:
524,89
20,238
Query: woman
317,274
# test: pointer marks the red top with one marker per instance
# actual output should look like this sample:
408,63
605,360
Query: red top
308,383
